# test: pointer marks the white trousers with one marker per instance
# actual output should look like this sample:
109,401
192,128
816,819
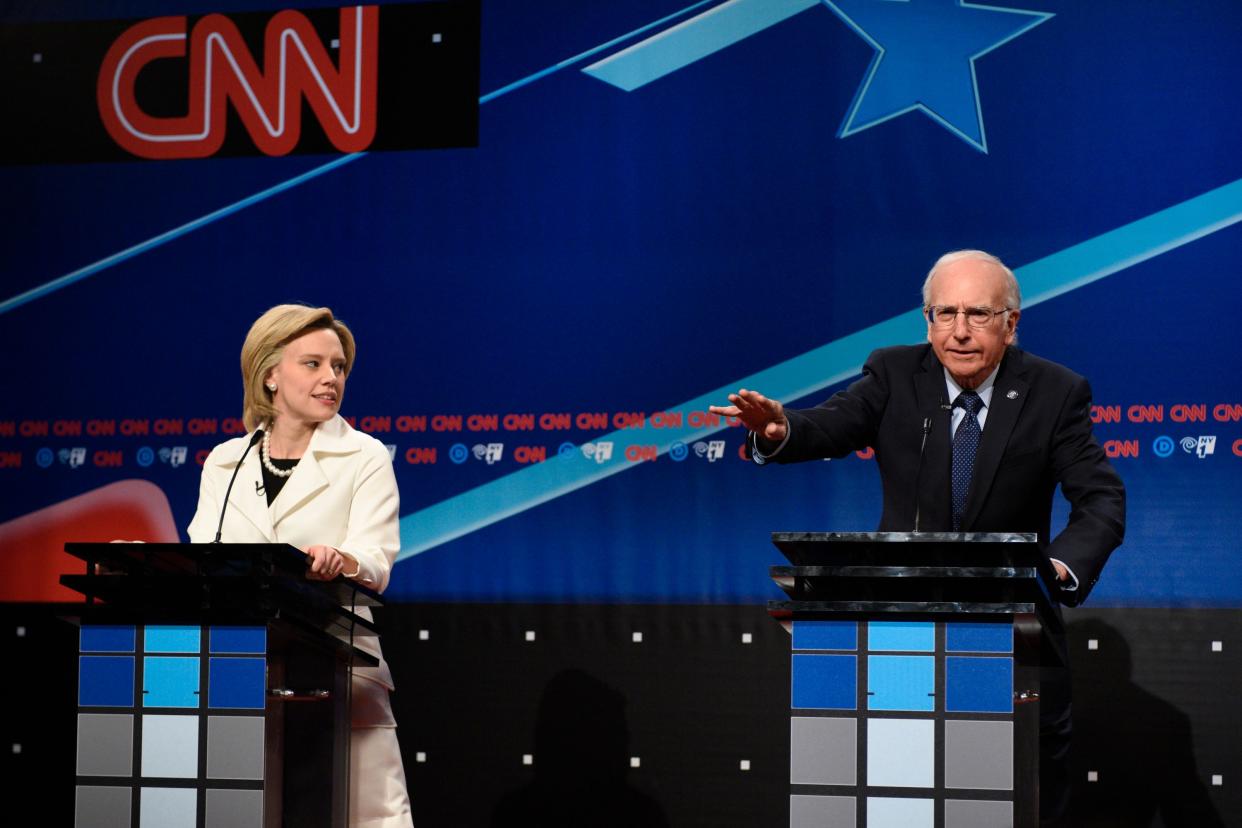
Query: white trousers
377,792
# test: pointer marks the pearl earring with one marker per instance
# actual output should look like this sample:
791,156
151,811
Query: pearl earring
271,387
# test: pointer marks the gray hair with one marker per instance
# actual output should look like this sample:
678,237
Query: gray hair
1013,294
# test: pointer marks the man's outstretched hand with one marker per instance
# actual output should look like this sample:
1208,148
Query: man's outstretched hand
759,414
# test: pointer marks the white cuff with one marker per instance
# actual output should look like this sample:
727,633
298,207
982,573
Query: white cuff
759,457
1073,584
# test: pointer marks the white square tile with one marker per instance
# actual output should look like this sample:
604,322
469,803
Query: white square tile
1093,643
170,746
744,764
637,638
437,37
1218,646
1218,779
420,756
1093,776
423,635
747,638
528,759
168,808
901,753
635,762
530,635
900,812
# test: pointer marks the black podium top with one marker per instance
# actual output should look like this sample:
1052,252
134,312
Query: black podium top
981,573
906,548
222,583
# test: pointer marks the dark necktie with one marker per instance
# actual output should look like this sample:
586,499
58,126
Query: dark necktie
965,445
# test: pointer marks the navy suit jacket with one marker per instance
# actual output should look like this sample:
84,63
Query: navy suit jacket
1037,435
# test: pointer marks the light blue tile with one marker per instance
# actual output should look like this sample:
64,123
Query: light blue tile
171,639
901,683
170,682
912,636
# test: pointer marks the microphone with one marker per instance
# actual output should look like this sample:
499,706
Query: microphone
258,435
923,445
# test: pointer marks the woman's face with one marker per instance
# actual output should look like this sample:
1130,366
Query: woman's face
310,378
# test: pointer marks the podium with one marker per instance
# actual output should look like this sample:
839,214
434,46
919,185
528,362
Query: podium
915,677
213,686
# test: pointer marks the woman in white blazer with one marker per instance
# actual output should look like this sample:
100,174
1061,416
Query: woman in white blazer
326,489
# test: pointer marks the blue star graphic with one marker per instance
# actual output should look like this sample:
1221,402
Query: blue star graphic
925,59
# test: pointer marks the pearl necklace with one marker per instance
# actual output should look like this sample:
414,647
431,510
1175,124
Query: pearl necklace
265,454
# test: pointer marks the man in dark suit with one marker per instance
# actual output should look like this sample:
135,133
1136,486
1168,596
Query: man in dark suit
971,434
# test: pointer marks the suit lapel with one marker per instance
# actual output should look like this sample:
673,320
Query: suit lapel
309,479
933,481
248,497
1008,397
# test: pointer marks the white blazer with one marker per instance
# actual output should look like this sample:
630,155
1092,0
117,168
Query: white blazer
342,493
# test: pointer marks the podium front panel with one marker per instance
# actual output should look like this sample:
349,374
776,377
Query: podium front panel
171,726
910,721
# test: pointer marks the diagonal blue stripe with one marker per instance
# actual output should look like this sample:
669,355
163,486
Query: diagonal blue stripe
81,273
827,365
693,40
603,47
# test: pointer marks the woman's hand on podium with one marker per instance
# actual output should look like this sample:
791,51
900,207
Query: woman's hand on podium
326,562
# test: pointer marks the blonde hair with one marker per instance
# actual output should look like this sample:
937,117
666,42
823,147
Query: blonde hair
265,345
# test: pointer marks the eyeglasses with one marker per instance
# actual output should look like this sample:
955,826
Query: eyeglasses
945,316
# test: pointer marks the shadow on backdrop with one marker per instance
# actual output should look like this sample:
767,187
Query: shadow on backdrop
581,762
1140,745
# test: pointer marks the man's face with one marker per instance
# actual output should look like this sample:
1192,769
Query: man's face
968,352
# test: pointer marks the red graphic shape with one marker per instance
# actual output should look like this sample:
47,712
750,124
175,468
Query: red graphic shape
32,547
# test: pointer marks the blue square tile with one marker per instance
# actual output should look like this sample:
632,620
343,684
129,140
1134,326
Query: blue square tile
825,682
169,681
106,681
825,635
982,637
171,639
914,636
239,640
104,638
978,685
237,682
901,683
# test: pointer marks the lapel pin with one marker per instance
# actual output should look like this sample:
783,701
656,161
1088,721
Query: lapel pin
1013,395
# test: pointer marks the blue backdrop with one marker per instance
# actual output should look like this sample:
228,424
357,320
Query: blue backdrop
668,201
